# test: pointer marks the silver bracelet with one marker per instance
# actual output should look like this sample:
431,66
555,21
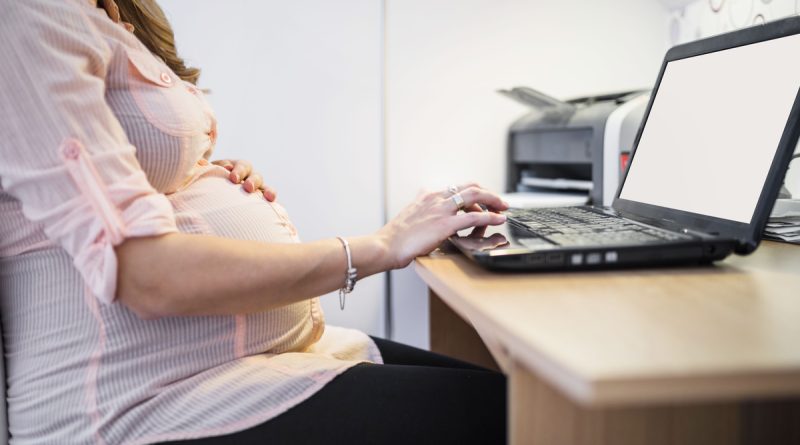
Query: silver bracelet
350,276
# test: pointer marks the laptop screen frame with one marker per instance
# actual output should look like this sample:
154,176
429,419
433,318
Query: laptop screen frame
747,235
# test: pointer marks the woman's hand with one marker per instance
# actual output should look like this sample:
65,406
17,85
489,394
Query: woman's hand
112,10
433,217
242,173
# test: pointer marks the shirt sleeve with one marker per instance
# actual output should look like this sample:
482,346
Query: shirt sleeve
63,154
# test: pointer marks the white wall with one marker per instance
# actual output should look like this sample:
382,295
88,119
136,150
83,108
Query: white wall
445,59
296,86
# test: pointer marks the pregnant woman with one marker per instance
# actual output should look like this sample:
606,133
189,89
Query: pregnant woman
146,298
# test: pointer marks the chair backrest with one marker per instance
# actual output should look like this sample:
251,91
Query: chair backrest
3,414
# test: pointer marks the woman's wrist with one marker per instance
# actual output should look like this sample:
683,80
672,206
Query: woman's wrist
371,254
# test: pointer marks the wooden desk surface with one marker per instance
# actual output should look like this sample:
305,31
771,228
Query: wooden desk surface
611,338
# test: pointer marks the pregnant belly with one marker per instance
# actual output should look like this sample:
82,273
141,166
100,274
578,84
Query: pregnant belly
212,205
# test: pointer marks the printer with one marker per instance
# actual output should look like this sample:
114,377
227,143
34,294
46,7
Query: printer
578,146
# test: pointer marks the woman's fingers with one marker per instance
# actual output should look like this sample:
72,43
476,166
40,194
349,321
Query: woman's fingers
473,195
228,165
270,194
460,188
476,195
473,208
476,219
112,10
477,232
241,170
469,185
253,183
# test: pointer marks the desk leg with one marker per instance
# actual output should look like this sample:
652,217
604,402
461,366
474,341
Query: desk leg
451,335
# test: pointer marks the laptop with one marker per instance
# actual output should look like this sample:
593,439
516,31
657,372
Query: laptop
707,165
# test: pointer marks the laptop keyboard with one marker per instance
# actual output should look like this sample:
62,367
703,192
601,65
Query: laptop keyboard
575,226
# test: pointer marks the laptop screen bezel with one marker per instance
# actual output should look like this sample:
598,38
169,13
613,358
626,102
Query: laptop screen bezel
747,235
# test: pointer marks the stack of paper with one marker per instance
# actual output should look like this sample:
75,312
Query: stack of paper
557,183
784,222
783,229
528,200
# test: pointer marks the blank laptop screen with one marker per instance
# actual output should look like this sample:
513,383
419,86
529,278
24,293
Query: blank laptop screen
714,128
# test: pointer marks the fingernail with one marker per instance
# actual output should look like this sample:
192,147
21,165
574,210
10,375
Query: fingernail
202,162
235,178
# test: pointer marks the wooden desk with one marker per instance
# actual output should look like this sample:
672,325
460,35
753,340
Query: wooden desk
705,355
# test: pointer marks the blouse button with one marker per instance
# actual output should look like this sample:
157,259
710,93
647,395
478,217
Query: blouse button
70,150
166,78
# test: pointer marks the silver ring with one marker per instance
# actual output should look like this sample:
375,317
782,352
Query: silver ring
452,189
458,200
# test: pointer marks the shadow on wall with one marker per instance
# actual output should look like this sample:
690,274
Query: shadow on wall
703,18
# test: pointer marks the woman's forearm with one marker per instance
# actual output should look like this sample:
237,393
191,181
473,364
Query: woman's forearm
180,274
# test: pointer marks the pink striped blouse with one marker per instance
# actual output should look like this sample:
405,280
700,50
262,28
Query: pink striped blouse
100,141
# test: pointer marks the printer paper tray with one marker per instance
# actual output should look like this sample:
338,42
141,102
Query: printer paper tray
557,183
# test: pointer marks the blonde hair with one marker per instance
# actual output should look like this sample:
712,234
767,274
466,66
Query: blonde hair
153,29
